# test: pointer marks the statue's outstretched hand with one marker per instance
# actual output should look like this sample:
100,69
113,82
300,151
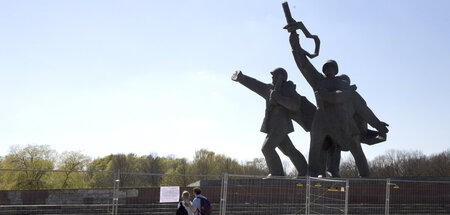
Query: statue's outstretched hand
293,26
236,76
382,127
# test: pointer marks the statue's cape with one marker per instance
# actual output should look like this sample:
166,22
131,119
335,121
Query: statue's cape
305,115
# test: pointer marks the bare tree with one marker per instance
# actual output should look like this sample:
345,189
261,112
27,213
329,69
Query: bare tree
348,168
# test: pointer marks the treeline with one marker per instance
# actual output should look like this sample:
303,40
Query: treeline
397,163
66,170
69,170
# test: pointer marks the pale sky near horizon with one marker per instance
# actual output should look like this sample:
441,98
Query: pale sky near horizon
106,77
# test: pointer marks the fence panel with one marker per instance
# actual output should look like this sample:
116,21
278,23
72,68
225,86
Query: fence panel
327,196
55,192
367,196
139,193
259,195
419,197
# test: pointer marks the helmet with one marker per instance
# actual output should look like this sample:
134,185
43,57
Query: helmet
280,71
328,64
345,78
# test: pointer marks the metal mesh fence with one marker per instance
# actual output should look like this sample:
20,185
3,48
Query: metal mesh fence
327,196
55,192
259,195
367,196
103,192
139,193
420,197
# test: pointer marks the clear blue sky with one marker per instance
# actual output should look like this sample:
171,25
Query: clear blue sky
144,77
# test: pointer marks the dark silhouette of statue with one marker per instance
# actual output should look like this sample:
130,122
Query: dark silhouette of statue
341,114
334,121
282,104
356,104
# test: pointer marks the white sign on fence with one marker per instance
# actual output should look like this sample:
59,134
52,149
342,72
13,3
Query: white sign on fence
169,194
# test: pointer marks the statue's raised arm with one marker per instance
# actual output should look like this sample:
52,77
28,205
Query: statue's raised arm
256,86
300,55
306,68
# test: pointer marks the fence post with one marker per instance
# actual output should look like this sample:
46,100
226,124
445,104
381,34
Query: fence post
223,194
347,186
388,190
115,205
308,194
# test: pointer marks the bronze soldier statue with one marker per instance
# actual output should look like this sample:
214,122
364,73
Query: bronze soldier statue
354,103
282,104
338,105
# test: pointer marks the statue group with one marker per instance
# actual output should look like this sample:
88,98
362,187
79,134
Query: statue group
338,122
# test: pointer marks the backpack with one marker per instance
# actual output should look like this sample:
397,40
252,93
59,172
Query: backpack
205,206
181,210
